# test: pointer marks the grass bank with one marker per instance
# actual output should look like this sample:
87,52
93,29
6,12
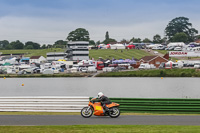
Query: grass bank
154,73
104,53
32,52
100,128
45,75
118,54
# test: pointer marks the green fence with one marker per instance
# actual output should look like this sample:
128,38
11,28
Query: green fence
158,105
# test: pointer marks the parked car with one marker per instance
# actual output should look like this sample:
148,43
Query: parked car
177,48
108,69
170,48
92,69
84,69
146,66
73,70
156,48
197,65
162,47
113,65
162,65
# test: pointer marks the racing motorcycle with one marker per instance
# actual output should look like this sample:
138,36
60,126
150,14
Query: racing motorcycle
98,110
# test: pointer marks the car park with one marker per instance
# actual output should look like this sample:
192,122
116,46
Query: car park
92,69
84,69
177,48
170,48
162,47
197,65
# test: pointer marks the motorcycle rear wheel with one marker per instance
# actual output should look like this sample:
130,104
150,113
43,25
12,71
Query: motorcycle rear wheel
86,113
114,112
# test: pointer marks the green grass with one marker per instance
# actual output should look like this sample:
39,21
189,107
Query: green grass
111,53
104,53
101,129
153,73
32,52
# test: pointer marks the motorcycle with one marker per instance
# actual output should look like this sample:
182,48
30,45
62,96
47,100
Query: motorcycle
98,109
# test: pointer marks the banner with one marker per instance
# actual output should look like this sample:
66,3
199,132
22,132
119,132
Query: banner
184,53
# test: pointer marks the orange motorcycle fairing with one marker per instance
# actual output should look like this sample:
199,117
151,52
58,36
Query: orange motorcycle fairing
112,105
98,109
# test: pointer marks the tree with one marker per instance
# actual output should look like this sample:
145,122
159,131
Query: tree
8,47
197,37
178,25
17,45
91,42
29,47
108,39
180,37
107,36
3,44
157,39
60,44
32,45
43,46
98,42
136,40
146,40
79,34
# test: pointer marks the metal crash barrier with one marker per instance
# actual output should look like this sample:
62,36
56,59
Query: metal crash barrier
43,104
75,104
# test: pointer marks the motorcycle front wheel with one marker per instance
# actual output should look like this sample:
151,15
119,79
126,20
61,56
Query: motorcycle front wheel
86,112
114,112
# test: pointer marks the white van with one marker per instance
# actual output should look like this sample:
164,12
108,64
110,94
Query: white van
74,70
144,66
92,69
196,49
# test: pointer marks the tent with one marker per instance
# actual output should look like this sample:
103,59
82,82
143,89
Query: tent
7,64
118,61
131,46
129,61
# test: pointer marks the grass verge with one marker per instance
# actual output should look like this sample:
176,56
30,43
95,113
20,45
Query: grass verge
100,128
154,73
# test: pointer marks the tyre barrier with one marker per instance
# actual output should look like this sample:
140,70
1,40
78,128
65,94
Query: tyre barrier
158,105
43,104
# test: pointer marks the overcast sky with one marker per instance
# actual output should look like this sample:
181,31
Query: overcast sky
46,21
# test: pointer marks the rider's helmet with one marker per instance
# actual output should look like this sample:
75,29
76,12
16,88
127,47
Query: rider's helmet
100,94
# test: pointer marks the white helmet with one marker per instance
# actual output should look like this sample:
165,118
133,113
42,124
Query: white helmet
100,94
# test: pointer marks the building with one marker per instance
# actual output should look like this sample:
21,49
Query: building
155,60
54,56
37,59
197,41
77,50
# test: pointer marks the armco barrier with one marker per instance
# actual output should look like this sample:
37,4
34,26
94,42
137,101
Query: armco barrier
43,104
158,105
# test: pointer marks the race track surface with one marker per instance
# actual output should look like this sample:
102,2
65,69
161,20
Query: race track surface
79,120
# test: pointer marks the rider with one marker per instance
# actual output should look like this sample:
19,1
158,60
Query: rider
104,100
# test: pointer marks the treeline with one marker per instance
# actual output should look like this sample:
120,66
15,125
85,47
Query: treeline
6,45
178,30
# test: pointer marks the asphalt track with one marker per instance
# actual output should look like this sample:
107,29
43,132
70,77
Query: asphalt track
79,120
